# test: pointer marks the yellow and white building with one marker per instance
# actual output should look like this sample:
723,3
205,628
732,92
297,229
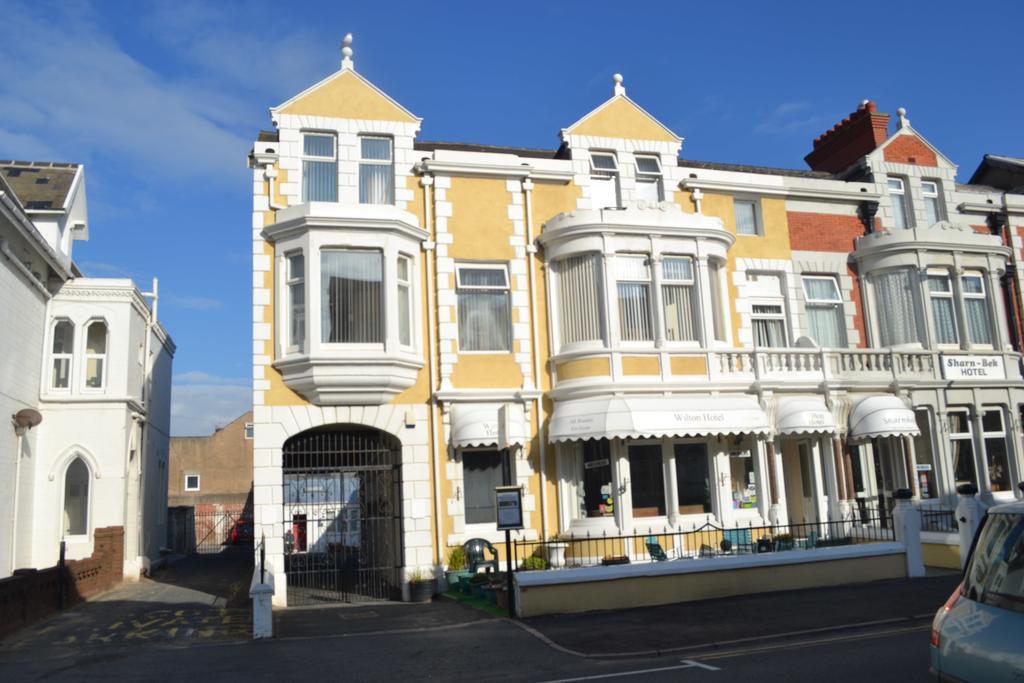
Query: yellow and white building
664,342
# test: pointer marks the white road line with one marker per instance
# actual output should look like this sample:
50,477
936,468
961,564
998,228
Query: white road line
687,664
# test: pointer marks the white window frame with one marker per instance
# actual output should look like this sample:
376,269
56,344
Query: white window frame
1008,447
781,315
836,304
651,304
984,298
484,530
473,265
324,301
377,162
611,174
290,281
755,202
696,316
198,485
309,157
68,356
963,436
249,431
407,285
77,538
719,329
650,177
897,187
932,195
560,304
949,296
102,357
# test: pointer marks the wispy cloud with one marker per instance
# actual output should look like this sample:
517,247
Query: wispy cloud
789,118
201,402
99,268
195,303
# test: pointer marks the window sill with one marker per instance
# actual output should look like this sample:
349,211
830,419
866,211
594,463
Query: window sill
361,378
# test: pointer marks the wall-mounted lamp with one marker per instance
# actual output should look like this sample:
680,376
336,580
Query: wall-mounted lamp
25,419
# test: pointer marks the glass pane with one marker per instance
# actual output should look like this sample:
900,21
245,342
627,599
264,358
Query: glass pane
899,211
318,145
896,184
376,149
482,277
376,184
945,322
632,268
76,498
996,573
978,324
992,421
96,338
647,481
924,456
597,499
938,283
484,320
605,162
297,307
94,373
744,481
61,373
821,289
296,267
351,297
972,284
319,181
678,313
931,210
896,299
63,337
481,473
826,326
959,422
998,464
770,333
746,217
580,291
634,311
677,269
647,165
403,269
692,479
404,321
648,190
963,462
604,191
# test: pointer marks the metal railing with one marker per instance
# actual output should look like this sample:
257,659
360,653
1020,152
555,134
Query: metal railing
700,542
938,519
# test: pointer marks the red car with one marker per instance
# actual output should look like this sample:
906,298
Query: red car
241,532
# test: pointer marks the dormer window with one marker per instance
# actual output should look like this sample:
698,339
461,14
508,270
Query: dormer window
376,171
900,209
932,207
319,167
604,180
63,350
648,179
95,354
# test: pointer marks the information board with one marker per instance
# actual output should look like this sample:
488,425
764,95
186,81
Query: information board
509,500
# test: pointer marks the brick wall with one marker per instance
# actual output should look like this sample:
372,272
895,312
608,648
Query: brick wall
828,232
31,594
907,149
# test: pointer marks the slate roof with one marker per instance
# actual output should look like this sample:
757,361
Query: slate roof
39,185
528,152
764,170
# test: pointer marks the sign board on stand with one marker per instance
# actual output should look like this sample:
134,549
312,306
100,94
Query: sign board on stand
509,503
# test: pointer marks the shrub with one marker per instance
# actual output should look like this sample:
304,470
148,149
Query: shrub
534,562
479,579
456,559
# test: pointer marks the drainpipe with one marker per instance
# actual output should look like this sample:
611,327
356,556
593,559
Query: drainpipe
146,369
270,173
427,181
20,431
531,251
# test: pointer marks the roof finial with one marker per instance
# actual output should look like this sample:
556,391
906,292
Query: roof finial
618,89
904,121
346,52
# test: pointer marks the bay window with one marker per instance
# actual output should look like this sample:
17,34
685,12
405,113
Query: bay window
896,306
648,179
769,323
677,299
404,277
376,171
932,207
95,354
898,199
484,307
295,283
62,354
351,297
996,455
604,180
580,288
979,324
940,291
633,285
319,167
824,306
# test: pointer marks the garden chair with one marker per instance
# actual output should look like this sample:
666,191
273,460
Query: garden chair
812,540
655,550
475,555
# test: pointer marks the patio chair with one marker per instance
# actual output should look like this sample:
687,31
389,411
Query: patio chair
655,550
812,540
475,555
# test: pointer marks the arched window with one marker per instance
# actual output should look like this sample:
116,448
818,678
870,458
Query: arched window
76,499
63,348
95,354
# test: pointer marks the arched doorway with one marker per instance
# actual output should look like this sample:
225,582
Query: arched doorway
342,515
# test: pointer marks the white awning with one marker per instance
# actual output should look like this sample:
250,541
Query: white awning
804,415
877,416
638,417
476,424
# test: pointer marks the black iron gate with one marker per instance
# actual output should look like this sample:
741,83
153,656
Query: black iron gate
342,516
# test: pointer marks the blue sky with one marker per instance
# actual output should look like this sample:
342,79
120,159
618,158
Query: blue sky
161,101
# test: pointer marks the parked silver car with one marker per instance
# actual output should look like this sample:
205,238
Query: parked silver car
978,635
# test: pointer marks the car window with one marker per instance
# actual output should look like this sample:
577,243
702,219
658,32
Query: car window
996,573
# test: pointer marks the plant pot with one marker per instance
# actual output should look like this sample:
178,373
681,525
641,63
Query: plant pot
452,578
556,554
501,597
465,586
489,594
421,591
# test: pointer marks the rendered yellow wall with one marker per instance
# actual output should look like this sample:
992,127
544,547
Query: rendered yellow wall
641,365
348,96
584,367
620,118
689,365
941,555
665,590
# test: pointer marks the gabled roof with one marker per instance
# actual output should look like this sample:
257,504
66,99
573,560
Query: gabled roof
621,117
906,129
1000,172
346,95
40,185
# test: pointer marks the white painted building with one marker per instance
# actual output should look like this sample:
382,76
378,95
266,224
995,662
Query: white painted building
85,374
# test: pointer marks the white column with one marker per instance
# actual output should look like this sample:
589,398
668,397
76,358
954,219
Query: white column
969,512
907,523
657,305
706,317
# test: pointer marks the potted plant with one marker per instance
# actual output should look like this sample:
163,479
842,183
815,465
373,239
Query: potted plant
533,563
555,549
477,582
456,567
421,586
609,560
784,542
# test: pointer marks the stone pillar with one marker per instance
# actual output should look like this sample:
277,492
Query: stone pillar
262,612
907,524
908,464
969,512
844,479
773,481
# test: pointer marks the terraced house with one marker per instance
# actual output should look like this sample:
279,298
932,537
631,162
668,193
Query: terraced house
638,340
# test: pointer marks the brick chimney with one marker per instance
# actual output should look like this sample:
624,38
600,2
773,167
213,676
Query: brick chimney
858,134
